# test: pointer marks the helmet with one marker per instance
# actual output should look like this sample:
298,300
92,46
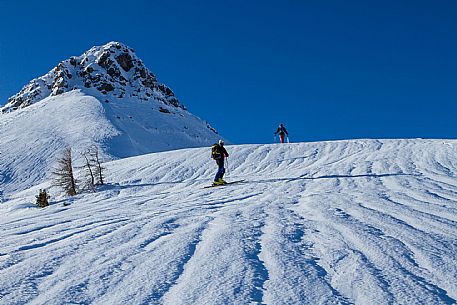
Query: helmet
221,142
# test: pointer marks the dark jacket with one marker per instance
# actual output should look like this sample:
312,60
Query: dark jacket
218,152
281,130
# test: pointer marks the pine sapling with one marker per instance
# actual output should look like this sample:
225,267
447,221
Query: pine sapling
42,199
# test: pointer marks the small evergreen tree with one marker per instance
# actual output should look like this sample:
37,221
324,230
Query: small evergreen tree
64,177
42,199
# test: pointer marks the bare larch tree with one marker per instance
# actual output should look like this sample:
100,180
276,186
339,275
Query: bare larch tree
90,178
64,177
94,168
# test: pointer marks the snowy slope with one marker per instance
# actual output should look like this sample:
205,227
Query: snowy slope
34,137
106,97
346,222
109,71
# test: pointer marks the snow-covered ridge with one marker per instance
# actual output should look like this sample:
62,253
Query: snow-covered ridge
105,98
34,137
111,70
347,222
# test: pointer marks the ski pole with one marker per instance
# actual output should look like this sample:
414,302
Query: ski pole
287,139
227,167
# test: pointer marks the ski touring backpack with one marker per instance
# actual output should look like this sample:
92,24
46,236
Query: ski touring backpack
215,153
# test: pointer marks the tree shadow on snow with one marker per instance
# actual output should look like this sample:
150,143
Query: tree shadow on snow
303,177
137,184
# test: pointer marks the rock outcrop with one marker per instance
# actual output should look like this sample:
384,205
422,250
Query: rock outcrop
112,70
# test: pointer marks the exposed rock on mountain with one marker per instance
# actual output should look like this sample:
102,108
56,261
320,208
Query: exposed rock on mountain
112,69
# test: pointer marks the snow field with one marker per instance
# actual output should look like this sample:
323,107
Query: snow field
345,222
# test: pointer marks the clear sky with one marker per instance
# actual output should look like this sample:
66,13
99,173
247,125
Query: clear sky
326,69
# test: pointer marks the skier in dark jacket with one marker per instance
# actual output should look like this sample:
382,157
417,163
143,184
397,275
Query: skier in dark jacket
281,131
219,153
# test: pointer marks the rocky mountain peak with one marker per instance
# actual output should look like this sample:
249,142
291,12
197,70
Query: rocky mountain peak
111,70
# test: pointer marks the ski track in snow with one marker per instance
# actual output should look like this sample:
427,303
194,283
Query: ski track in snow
345,222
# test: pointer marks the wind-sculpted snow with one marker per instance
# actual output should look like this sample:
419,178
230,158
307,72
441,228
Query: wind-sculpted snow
346,222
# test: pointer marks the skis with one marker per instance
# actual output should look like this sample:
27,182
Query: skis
217,185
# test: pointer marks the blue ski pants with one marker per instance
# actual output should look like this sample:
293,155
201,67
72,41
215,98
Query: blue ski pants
221,170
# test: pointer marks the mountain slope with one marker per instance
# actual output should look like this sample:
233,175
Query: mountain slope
346,222
105,98
112,71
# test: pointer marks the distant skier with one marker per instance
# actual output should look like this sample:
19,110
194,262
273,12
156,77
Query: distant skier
219,153
281,131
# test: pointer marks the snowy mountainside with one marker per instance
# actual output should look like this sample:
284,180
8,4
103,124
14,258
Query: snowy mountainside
105,97
33,138
344,222
112,70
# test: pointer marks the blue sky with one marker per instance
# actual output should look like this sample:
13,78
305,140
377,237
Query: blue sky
326,69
